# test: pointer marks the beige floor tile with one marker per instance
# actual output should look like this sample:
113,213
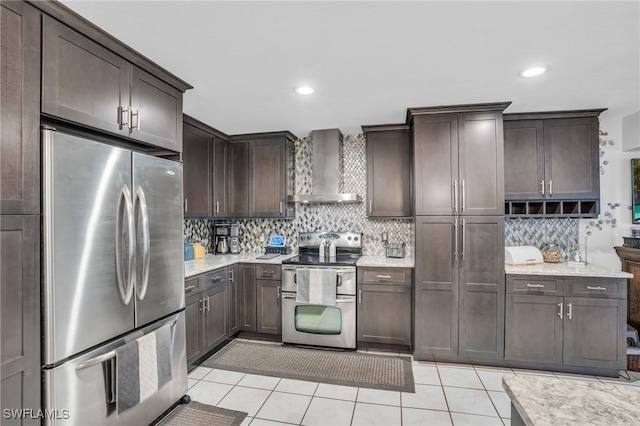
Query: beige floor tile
376,396
372,414
258,381
346,393
191,382
460,377
199,372
208,392
300,387
426,397
460,419
502,402
284,407
469,401
492,379
426,374
243,399
224,376
416,417
324,412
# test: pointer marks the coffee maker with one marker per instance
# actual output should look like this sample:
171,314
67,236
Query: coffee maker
226,238
234,240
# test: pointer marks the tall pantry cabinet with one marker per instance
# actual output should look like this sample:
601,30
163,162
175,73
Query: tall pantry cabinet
459,208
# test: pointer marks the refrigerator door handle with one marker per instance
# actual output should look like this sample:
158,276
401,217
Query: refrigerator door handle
143,278
125,205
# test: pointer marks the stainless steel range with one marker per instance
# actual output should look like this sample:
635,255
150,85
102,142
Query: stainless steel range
321,321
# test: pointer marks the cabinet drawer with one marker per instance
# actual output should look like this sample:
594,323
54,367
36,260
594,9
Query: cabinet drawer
268,272
215,278
384,275
605,288
192,285
534,285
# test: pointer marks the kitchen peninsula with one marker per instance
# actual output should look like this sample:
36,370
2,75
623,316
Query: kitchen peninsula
544,401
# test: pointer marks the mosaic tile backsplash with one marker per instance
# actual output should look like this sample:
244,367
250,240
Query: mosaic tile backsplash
537,232
254,233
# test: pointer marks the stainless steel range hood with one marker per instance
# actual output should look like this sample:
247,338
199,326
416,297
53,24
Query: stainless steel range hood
326,170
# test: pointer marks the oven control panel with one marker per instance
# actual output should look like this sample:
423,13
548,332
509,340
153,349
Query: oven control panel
340,239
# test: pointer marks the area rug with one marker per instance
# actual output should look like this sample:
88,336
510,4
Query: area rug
198,414
324,366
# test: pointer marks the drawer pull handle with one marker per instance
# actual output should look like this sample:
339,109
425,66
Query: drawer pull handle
561,306
190,287
596,288
535,285
387,277
216,278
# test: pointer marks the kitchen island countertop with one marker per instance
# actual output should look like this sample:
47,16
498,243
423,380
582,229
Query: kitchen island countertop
545,401
211,262
385,262
566,270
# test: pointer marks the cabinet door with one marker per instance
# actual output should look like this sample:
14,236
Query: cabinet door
267,178
436,286
435,150
247,296
481,156
524,160
633,297
238,179
196,165
384,314
20,109
219,178
234,323
193,324
82,81
389,174
269,308
595,332
571,158
482,287
156,109
216,316
20,313
533,328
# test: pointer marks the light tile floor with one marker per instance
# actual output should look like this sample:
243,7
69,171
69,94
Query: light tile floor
446,394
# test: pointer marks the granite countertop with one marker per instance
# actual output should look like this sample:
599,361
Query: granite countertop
385,262
566,270
542,401
211,262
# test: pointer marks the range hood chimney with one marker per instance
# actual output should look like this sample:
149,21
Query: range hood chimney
326,170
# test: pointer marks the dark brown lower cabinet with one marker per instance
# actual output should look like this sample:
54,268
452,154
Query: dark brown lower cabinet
247,297
384,305
206,315
268,307
234,320
533,328
20,315
578,322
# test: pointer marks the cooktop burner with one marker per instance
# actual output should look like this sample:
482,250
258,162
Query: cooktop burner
347,259
348,249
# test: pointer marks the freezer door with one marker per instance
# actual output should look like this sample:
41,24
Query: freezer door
82,391
87,210
157,193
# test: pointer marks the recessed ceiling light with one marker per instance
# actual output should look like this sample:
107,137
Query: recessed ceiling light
304,90
533,72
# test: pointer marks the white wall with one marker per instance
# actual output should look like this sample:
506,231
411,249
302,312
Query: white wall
615,187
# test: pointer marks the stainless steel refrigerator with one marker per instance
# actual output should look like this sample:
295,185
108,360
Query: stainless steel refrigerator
113,271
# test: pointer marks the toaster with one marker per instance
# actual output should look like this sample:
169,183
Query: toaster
522,255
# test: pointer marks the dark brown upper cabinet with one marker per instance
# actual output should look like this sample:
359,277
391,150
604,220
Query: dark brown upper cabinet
458,159
261,175
204,158
389,166
197,171
552,155
87,84
238,179
20,109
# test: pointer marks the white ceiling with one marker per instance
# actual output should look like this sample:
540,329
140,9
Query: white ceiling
369,61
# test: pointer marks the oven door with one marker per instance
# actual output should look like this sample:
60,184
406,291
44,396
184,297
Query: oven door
320,325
